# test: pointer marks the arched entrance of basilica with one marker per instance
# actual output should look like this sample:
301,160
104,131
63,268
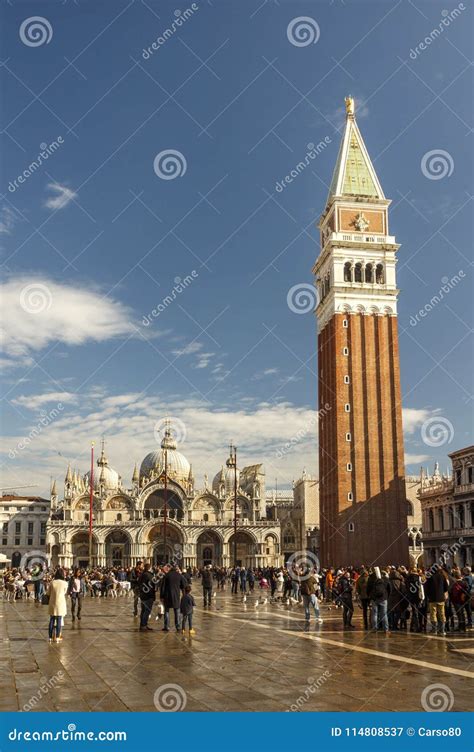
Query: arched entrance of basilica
80,550
209,549
117,549
246,549
160,552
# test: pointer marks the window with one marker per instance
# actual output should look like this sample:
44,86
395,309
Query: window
345,323
30,528
347,407
379,275
17,527
430,520
44,509
347,380
458,476
345,351
5,528
205,517
348,272
43,528
369,273
348,437
350,496
42,541
119,517
349,467
5,541
358,273
17,541
470,474
30,541
351,527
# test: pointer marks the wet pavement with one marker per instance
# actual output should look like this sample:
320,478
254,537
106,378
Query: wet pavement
242,658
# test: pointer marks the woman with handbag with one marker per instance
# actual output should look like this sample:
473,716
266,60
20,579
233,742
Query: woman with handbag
57,607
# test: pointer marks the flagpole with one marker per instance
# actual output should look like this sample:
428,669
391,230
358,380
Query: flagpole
91,500
235,506
165,504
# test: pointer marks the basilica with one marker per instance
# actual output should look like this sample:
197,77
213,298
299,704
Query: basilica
163,516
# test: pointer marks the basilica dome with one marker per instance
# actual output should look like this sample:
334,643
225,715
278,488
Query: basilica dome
104,475
178,467
226,476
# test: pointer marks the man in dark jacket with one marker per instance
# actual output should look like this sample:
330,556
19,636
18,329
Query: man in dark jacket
172,584
146,586
206,581
378,590
361,590
134,578
436,591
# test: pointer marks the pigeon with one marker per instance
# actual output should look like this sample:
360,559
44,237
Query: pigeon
244,599
265,600
257,603
214,595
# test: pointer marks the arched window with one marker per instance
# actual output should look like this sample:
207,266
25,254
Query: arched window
460,514
205,517
119,517
451,519
369,273
348,272
358,273
430,520
409,508
379,275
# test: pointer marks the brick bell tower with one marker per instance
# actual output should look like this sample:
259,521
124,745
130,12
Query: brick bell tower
361,463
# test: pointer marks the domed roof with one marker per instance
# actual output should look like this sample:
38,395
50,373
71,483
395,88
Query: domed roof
227,476
178,467
104,475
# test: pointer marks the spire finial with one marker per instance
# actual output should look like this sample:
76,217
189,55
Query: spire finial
350,106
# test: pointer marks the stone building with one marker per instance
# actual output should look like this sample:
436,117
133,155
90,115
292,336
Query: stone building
447,504
361,454
298,513
414,519
129,524
23,522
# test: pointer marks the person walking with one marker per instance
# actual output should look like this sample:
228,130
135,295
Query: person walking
415,597
172,585
146,585
235,578
76,591
243,580
459,594
309,590
251,579
57,607
469,580
361,591
206,581
396,600
186,608
436,590
134,585
378,590
345,598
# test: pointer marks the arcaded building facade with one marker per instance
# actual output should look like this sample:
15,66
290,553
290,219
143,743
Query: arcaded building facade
129,524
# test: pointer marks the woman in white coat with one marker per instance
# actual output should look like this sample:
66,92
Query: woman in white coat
57,605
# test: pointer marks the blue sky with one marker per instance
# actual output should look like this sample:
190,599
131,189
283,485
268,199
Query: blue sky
94,240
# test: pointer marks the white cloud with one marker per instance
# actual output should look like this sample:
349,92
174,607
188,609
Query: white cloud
33,401
37,311
415,459
190,349
414,419
8,219
63,196
203,360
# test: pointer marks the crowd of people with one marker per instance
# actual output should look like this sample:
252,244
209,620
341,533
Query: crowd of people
391,599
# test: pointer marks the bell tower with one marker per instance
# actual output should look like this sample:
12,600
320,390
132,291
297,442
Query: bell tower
361,463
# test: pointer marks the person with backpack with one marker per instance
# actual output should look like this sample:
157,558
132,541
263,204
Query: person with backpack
436,590
378,590
309,592
459,594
